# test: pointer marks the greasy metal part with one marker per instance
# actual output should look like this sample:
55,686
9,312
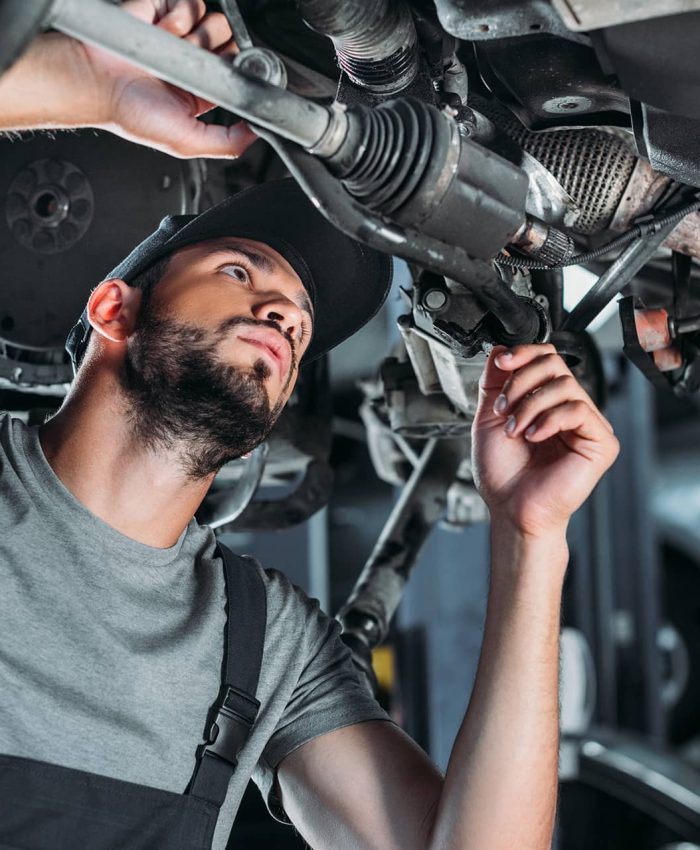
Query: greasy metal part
544,242
655,336
196,70
409,162
237,24
377,593
518,318
263,64
224,507
653,330
615,278
645,188
332,140
441,369
49,206
546,197
594,167
581,15
633,349
668,359
419,353
375,42
499,19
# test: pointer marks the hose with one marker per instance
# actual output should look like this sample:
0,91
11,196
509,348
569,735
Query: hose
375,40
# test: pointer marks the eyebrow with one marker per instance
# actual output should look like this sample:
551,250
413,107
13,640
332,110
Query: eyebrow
264,264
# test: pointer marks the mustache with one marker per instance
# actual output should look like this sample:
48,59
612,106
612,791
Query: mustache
234,321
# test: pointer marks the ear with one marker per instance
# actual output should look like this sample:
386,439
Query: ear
113,308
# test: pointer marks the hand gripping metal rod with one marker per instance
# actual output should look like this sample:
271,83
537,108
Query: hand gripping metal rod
191,68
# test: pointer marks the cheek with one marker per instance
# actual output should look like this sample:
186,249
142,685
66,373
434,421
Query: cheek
207,304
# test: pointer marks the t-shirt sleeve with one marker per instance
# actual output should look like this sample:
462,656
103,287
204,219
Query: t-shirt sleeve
328,695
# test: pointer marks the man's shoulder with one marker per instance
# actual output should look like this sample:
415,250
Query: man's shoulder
12,434
288,605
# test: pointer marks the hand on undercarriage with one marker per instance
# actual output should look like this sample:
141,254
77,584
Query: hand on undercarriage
144,109
59,82
540,445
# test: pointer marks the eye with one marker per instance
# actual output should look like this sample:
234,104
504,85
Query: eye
237,271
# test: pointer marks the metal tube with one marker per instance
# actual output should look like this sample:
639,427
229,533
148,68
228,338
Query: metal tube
191,68
616,278
377,592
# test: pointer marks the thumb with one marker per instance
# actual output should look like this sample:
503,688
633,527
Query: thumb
213,140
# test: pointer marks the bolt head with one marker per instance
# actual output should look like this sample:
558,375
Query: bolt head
434,299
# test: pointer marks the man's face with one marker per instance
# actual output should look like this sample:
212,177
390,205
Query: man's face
248,296
216,349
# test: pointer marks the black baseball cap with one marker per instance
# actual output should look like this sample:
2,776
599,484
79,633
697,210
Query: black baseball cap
347,281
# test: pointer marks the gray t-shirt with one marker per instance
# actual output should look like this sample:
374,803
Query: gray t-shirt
111,651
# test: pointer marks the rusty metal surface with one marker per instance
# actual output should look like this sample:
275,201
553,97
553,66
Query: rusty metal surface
644,189
652,329
581,15
686,237
668,359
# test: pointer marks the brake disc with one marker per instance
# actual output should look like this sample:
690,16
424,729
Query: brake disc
71,207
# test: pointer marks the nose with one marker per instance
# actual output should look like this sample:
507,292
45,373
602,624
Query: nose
282,312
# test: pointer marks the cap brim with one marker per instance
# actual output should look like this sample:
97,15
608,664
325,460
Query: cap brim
347,281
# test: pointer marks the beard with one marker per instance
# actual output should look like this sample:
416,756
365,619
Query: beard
182,396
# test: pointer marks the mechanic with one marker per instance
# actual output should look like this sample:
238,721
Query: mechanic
113,601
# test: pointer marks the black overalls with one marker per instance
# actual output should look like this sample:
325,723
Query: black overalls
48,807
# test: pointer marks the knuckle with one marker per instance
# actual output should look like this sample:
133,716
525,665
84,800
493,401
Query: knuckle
554,359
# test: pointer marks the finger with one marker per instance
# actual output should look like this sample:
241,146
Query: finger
183,17
214,141
228,49
528,378
554,392
493,377
145,10
212,32
579,427
518,356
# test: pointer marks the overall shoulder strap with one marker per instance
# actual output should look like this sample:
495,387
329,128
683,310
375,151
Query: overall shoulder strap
234,712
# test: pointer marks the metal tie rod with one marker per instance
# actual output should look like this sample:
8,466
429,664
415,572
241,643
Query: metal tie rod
192,68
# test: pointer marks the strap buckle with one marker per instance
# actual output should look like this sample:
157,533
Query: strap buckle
232,725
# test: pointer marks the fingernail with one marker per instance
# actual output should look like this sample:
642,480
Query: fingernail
510,425
504,355
501,404
530,431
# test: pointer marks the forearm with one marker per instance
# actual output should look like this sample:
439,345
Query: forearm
501,783
51,86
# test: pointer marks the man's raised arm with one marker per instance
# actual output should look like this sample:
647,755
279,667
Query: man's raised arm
60,83
540,446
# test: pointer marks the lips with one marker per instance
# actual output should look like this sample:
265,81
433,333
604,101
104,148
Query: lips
273,344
